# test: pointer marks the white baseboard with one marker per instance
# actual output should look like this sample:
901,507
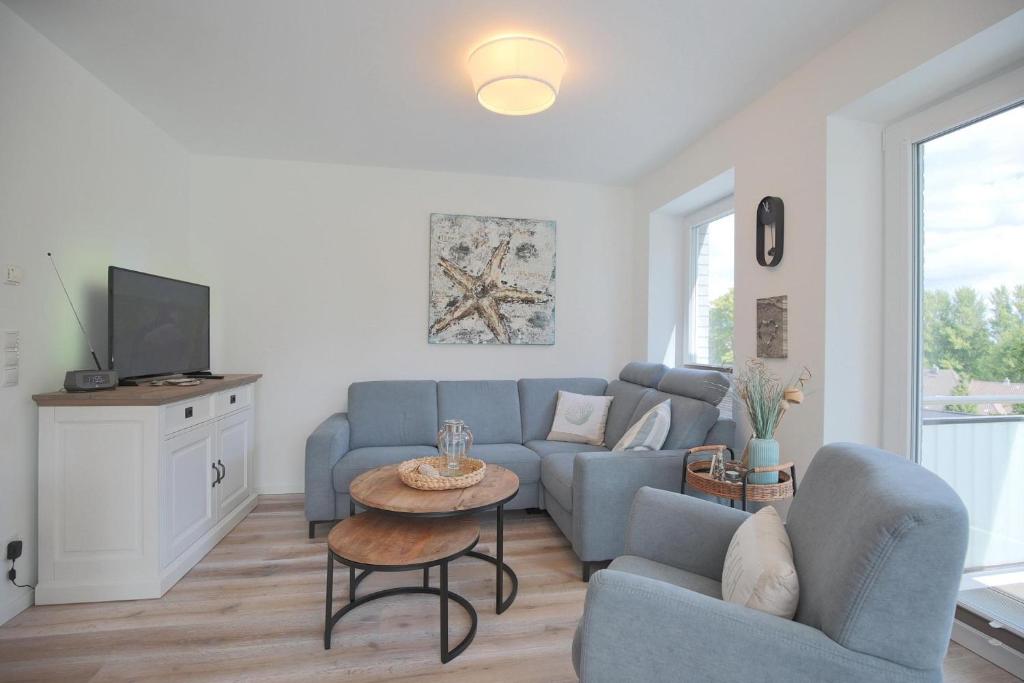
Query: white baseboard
15,606
991,649
275,489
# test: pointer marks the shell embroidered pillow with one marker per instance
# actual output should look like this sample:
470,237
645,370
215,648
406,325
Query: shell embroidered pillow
580,418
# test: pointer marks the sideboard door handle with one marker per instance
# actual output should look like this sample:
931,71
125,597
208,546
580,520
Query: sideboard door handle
217,480
188,412
223,470
232,399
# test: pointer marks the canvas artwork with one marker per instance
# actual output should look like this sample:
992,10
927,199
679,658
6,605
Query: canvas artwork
492,280
772,320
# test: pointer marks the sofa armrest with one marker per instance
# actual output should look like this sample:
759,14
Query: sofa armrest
603,486
639,629
681,531
324,448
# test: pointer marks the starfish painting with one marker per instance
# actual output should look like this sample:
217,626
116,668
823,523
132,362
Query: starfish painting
492,280
483,294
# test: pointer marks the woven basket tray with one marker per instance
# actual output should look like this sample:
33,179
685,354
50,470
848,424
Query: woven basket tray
698,476
473,471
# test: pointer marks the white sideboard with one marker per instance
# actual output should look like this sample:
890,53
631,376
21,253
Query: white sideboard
137,484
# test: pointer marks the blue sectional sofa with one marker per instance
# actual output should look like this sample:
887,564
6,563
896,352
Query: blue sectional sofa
586,489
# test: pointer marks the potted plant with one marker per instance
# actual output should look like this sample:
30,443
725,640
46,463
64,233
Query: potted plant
765,398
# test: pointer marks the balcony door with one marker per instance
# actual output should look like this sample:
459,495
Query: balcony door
969,189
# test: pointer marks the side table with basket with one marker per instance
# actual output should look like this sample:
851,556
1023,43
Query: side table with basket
700,475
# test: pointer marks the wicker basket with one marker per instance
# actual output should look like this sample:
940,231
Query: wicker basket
698,476
474,470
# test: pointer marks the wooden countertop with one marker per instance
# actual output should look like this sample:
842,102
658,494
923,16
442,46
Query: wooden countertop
145,395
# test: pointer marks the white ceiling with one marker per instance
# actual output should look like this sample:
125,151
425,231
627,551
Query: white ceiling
384,83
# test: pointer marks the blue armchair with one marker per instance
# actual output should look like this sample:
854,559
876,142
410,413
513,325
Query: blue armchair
879,546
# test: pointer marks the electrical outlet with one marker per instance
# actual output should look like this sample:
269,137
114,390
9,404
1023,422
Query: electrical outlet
14,550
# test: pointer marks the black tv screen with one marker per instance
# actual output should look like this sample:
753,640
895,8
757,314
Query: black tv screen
156,325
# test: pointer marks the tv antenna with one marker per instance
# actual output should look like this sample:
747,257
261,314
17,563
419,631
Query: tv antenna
73,310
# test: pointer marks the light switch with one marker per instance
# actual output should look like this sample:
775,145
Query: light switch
10,377
13,274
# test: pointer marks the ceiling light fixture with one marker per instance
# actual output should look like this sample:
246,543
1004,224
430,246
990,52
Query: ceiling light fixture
516,75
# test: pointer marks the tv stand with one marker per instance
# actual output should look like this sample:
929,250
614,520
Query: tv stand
136,485
203,374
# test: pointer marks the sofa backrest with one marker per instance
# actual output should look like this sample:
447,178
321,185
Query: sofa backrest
691,419
635,380
392,413
538,397
490,408
879,545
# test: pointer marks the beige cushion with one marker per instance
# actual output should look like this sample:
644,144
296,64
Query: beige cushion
580,418
650,431
759,571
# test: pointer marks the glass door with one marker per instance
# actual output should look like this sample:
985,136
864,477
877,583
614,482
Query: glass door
970,326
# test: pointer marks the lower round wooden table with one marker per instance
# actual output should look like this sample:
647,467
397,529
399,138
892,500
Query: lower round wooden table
382,489
375,541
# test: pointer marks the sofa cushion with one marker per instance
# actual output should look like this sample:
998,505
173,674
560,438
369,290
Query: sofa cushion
392,413
490,408
537,399
556,476
620,414
516,457
580,418
649,432
360,460
644,374
544,448
691,419
709,386
663,572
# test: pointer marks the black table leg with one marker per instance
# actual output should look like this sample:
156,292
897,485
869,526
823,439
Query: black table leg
499,567
330,598
426,577
352,584
445,655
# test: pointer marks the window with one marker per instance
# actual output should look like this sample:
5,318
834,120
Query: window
711,292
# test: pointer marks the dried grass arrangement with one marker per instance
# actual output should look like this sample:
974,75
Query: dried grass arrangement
765,397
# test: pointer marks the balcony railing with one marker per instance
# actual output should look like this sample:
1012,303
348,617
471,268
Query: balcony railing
982,458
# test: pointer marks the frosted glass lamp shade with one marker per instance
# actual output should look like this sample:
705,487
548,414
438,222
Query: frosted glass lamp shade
516,75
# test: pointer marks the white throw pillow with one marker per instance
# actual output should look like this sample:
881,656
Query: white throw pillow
650,431
759,572
580,418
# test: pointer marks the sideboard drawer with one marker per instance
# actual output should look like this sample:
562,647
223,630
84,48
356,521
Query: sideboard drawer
178,416
230,400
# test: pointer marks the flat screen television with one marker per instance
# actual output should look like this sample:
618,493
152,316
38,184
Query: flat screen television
156,325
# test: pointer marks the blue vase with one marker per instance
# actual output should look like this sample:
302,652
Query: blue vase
763,453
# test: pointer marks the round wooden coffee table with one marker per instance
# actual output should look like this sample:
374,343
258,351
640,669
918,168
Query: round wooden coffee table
375,541
382,489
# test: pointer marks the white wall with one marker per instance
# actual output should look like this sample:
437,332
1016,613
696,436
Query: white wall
778,146
322,274
86,176
853,283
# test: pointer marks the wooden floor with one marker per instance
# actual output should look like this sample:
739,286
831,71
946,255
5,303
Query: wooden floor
252,610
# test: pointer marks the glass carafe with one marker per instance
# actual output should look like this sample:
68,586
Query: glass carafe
453,444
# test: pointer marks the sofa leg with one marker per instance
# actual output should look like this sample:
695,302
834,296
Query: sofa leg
312,529
536,511
588,568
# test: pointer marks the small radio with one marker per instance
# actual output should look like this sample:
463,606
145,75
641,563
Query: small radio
90,380
84,380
